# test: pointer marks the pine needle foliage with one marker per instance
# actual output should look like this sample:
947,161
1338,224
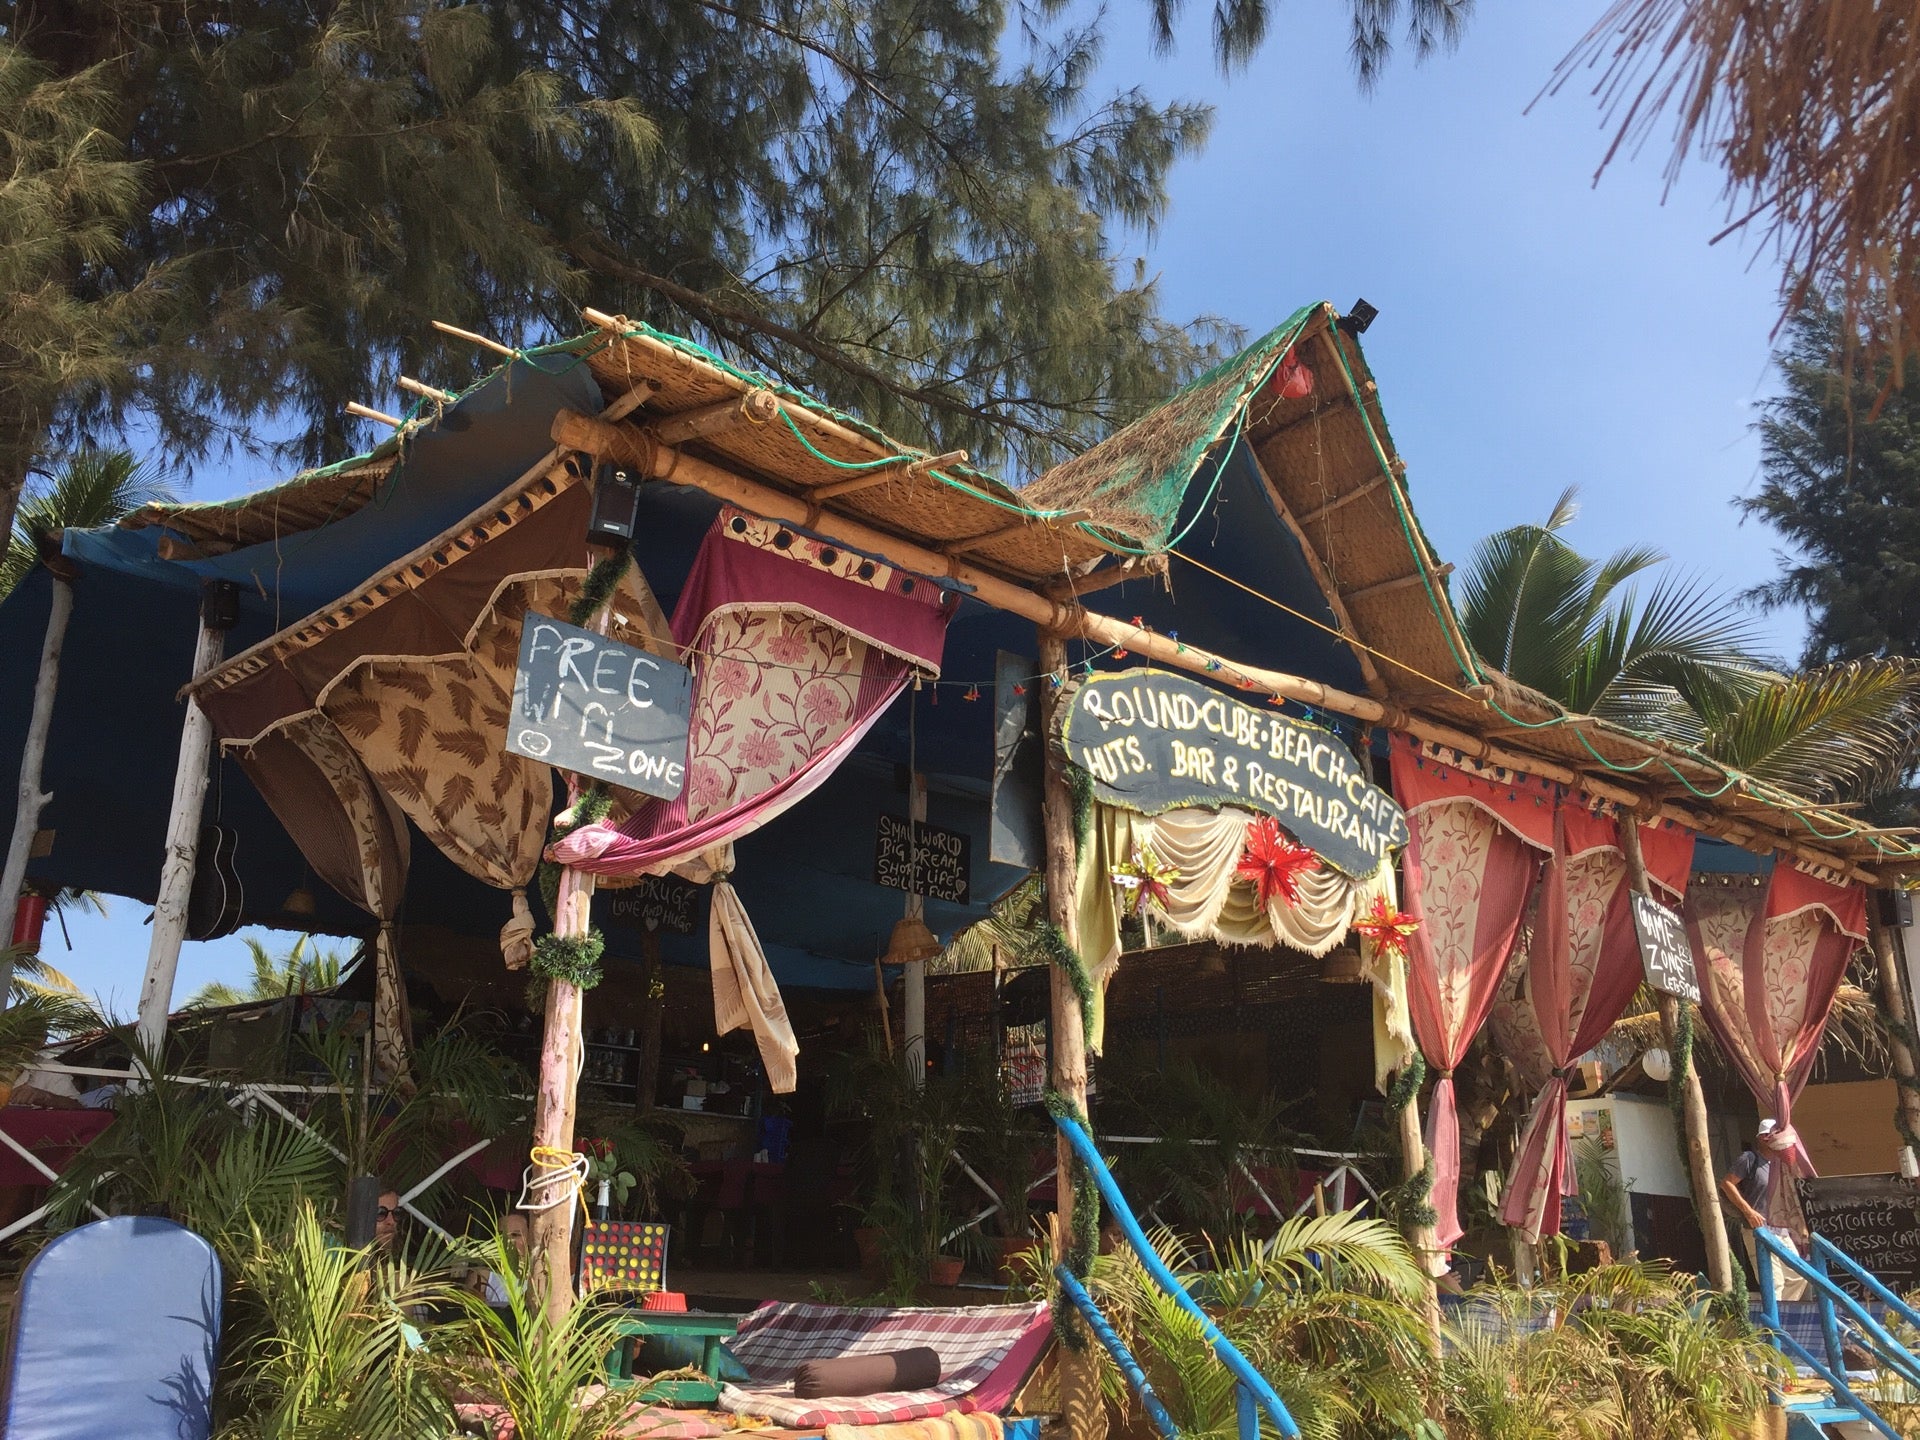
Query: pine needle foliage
89,488
224,222
1840,483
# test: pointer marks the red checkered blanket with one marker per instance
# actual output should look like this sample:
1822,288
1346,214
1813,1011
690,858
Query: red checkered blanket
973,1345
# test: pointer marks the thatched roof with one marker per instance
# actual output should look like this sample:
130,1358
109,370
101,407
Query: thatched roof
1331,472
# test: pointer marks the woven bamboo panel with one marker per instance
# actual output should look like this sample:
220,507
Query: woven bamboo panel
302,503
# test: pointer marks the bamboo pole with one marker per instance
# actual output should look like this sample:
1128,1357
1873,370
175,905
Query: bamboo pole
574,431
913,977
646,1077
1081,1405
555,1195
555,1192
183,845
1700,1177
1424,1239
1897,1003
32,799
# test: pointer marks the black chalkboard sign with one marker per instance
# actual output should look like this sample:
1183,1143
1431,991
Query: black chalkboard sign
657,902
1874,1220
1665,954
1154,741
585,703
923,859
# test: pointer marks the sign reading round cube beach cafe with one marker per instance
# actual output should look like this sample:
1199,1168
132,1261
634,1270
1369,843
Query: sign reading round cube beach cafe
1154,741
585,703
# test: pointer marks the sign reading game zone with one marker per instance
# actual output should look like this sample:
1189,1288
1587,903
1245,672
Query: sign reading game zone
1665,954
1155,741
585,703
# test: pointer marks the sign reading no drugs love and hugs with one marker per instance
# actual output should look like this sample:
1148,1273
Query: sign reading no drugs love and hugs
585,703
1155,741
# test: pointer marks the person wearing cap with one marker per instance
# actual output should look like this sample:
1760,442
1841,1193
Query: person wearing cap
1745,1187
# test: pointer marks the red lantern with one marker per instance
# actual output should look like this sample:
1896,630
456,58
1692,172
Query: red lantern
1294,380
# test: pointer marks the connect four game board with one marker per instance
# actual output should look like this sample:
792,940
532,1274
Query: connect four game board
623,1255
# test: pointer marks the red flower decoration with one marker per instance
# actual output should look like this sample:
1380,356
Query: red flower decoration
1387,927
1274,863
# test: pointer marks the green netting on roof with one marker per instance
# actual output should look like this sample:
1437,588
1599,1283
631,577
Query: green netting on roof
1135,481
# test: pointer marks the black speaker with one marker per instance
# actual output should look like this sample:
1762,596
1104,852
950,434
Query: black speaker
363,1206
220,604
1896,908
616,505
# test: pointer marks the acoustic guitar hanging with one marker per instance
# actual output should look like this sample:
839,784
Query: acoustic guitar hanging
216,899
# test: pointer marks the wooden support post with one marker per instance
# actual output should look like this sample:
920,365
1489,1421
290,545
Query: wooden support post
1424,1239
550,1232
31,800
646,1078
1081,1405
1893,997
913,978
183,839
1700,1176
555,1193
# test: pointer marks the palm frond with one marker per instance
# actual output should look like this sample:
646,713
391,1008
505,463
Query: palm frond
1847,729
93,487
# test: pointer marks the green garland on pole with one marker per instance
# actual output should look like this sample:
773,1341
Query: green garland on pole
1411,1201
1083,1241
597,589
573,958
1682,1066
1080,786
1407,1083
1053,944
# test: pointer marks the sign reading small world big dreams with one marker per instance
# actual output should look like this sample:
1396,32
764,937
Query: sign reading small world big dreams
1154,741
585,703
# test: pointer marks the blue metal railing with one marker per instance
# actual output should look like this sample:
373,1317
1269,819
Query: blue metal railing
1252,1394
1826,1293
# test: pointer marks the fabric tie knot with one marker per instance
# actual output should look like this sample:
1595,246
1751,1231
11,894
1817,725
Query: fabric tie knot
516,936
1563,1072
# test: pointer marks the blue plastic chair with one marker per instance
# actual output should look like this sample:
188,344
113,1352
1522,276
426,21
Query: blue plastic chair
115,1336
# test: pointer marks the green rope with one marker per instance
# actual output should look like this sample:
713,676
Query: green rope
1053,944
573,958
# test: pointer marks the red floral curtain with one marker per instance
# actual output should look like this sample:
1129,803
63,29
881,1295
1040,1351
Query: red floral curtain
1469,865
1581,971
1770,962
797,646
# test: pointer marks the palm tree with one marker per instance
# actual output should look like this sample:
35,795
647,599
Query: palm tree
94,487
297,972
1681,665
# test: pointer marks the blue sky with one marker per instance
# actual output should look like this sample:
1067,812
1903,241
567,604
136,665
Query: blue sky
1535,331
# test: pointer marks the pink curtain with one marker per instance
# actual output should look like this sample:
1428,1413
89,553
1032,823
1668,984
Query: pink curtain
1468,872
1770,962
797,646
1582,969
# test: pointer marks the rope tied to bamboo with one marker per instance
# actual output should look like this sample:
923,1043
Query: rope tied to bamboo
551,1170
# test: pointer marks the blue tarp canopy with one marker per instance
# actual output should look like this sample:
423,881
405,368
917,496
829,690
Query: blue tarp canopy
806,878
